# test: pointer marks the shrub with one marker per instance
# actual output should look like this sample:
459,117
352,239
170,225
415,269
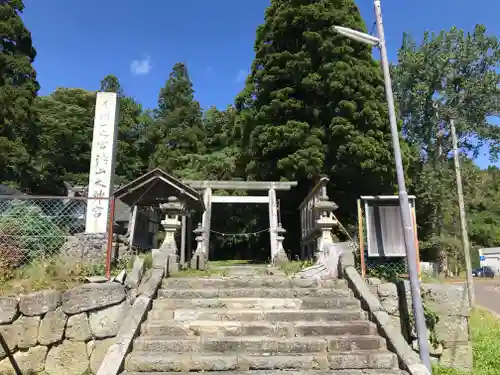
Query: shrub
24,228
10,258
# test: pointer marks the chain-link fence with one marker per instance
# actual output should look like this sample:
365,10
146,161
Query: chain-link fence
36,228
386,267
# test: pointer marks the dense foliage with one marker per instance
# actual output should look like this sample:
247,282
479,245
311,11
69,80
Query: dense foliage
18,89
451,76
312,104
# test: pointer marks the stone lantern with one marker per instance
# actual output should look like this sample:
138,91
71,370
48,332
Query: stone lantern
325,223
173,210
199,258
326,254
280,257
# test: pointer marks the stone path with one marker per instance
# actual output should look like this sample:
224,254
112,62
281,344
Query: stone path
252,323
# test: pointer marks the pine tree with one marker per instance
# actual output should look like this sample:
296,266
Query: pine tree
18,89
314,102
178,129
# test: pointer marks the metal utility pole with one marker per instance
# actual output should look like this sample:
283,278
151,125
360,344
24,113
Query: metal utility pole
406,217
463,221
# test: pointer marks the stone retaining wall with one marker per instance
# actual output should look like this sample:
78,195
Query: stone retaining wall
67,333
91,247
450,303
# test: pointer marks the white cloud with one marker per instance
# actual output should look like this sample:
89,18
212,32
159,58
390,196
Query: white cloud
141,67
241,76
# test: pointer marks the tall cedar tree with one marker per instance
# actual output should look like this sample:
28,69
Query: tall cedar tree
18,89
178,131
316,103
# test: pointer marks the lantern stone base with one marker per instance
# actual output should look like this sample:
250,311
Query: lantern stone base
198,262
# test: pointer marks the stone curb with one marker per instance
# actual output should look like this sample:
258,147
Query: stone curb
115,356
408,359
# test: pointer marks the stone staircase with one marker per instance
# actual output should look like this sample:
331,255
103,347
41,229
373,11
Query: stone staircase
250,323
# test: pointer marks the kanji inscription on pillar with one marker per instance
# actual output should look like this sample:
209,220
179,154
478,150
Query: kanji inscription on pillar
102,162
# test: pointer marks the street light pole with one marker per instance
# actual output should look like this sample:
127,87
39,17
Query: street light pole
406,217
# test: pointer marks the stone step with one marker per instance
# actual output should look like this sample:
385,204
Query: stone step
244,269
258,344
240,266
258,303
254,292
283,372
249,282
246,315
153,362
277,329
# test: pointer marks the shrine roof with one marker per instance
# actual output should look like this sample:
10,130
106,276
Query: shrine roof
155,187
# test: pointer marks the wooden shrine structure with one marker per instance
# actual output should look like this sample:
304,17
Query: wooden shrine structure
177,200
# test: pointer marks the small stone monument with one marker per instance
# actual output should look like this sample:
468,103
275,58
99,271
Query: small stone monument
173,209
198,260
280,257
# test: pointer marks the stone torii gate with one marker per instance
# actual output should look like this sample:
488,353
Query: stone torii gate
207,187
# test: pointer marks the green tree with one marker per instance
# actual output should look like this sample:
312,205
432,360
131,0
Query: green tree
314,104
18,89
218,128
65,120
110,83
178,131
483,211
450,75
220,154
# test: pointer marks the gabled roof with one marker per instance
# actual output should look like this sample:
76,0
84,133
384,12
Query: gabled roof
122,211
155,187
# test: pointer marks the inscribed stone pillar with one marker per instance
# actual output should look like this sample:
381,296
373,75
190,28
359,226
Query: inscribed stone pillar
102,162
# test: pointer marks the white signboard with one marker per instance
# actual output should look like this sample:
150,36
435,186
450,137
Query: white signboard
384,229
102,162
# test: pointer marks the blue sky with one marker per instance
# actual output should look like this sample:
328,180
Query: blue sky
81,41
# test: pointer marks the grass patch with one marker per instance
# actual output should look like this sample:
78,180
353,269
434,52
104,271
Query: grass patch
293,267
48,274
148,262
59,274
211,270
485,329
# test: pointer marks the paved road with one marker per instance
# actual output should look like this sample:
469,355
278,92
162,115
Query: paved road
488,294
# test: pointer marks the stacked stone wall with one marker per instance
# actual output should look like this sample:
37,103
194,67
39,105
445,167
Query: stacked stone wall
67,333
451,345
